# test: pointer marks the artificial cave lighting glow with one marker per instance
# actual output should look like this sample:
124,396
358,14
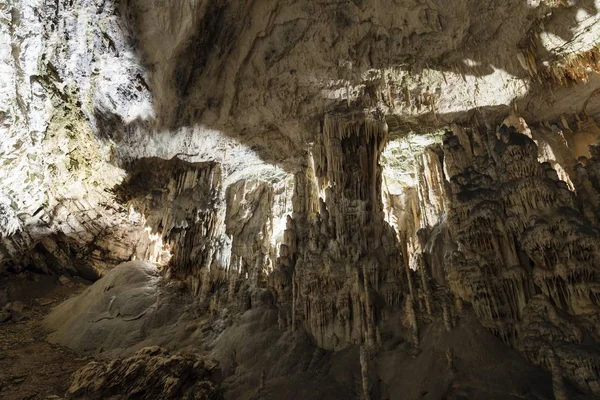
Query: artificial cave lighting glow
157,252
551,41
279,225
452,91
199,143
471,63
322,191
398,160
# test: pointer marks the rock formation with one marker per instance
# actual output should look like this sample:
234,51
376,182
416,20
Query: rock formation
525,249
331,192
152,373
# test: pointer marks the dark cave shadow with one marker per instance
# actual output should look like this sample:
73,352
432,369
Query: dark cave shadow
202,60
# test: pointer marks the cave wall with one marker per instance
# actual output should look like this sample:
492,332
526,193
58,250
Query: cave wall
526,251
107,82
494,230
497,232
345,259
238,145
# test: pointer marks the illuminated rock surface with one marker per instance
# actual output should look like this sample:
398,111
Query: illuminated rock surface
366,199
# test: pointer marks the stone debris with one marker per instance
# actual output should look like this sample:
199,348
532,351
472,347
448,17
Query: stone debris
63,280
13,312
151,373
45,301
5,316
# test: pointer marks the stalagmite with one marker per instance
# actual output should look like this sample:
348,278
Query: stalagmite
364,371
342,270
450,359
412,320
558,384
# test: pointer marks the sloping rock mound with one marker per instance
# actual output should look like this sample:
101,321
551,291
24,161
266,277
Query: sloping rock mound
152,373
117,314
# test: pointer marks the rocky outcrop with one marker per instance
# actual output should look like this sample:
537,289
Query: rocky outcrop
151,373
220,241
180,204
128,301
55,169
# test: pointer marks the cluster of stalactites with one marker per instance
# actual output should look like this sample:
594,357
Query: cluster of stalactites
345,257
520,232
346,156
587,182
180,204
574,68
191,221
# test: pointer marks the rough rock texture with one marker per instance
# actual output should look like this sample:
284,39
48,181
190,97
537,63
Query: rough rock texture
303,185
151,373
259,361
119,311
181,202
54,169
88,84
526,254
346,262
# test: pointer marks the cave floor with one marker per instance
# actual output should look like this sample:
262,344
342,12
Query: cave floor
30,367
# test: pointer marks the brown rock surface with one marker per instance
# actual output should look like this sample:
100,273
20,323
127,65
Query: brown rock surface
368,199
151,373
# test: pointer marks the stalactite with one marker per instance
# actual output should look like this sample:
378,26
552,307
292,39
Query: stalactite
519,232
339,272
